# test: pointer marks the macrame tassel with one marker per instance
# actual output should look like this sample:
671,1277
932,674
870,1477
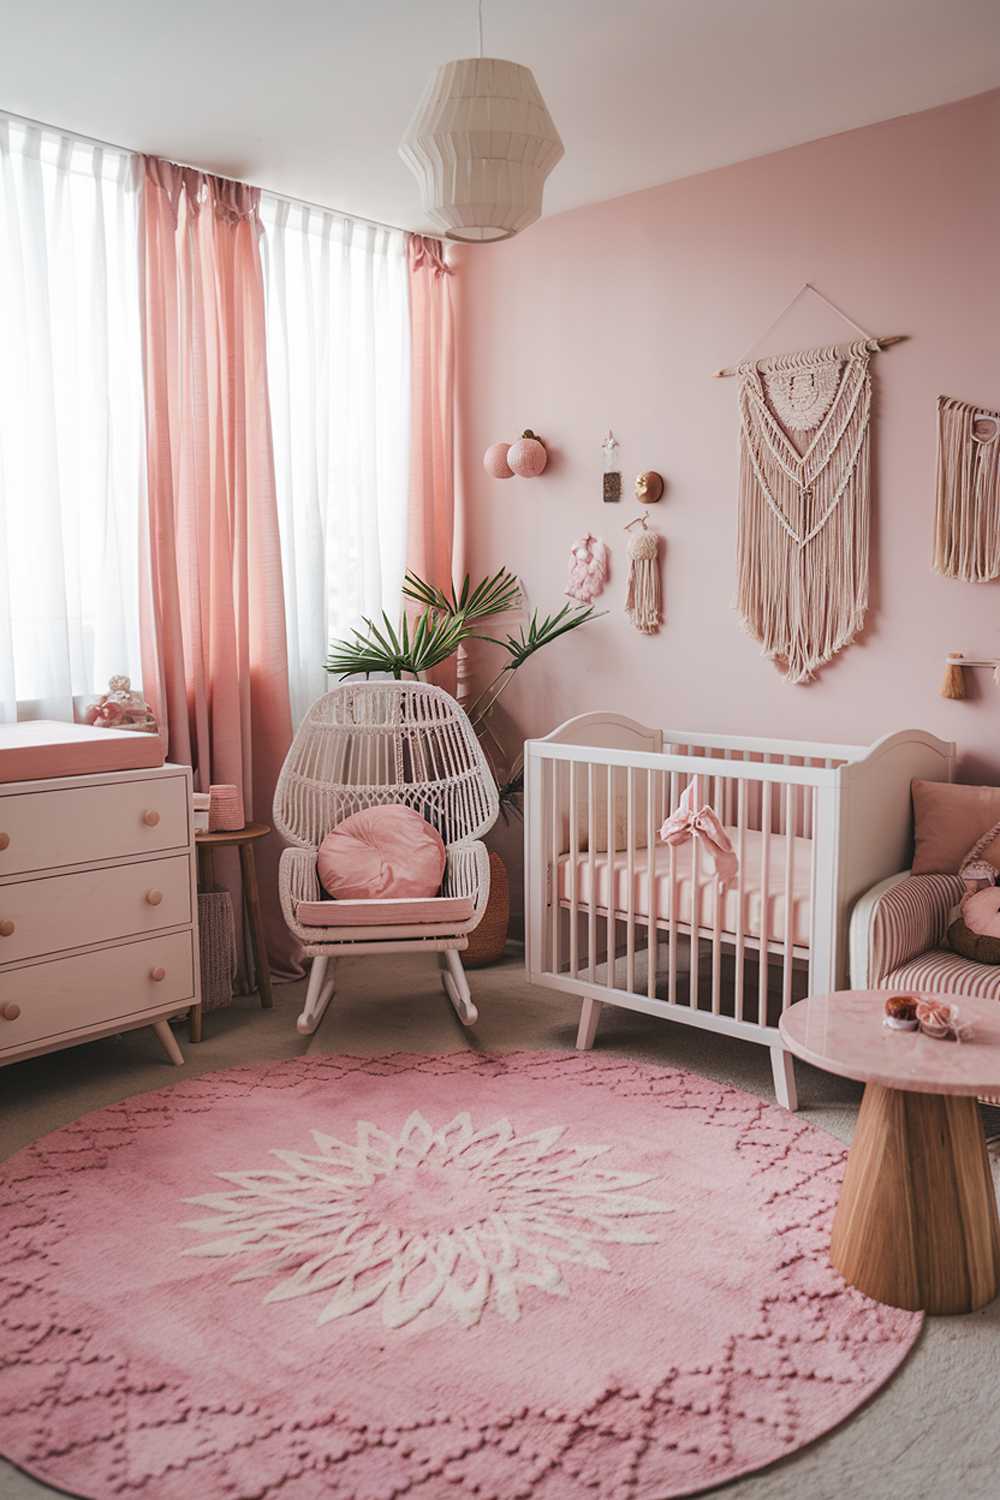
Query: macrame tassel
953,685
642,597
967,519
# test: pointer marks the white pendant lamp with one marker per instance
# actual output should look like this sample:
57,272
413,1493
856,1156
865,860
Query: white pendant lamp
481,145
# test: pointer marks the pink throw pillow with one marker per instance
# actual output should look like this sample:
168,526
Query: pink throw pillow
948,819
383,851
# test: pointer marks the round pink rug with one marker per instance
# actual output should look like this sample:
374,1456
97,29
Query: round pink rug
542,1274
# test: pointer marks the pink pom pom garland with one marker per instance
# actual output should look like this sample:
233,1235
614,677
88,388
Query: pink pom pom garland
527,457
495,461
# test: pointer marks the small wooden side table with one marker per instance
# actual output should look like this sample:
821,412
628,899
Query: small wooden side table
916,1225
242,839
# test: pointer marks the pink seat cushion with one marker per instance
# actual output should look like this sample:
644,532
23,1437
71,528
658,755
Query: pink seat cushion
388,912
383,851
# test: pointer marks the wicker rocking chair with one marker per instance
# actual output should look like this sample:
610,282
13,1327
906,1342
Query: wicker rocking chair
366,744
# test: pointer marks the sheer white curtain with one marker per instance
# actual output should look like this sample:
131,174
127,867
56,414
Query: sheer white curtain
71,420
338,341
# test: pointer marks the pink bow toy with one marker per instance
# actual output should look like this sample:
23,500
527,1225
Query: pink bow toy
686,824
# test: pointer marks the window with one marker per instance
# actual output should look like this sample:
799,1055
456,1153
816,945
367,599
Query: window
72,452
338,340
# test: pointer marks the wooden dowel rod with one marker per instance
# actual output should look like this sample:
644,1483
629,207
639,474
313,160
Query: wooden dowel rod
884,341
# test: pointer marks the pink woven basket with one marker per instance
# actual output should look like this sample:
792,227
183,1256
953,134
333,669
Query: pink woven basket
225,809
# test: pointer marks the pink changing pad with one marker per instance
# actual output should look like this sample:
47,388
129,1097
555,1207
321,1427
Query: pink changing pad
398,911
44,747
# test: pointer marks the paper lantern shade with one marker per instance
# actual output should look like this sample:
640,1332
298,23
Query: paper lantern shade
527,457
495,461
481,145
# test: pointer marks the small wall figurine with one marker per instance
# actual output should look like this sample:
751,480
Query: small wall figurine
588,569
612,489
648,487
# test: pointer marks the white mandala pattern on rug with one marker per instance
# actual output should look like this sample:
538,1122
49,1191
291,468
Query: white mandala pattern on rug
454,1218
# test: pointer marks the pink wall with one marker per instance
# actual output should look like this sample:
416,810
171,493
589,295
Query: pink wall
615,315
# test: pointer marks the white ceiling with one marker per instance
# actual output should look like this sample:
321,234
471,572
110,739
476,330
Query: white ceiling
310,97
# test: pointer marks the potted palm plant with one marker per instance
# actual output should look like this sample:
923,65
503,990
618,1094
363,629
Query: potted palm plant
430,636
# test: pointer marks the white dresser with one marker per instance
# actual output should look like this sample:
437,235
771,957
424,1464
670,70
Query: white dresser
98,908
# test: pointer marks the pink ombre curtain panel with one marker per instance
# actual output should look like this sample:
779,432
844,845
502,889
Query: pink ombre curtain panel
215,665
433,540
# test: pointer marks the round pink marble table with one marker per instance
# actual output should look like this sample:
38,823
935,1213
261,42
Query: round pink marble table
916,1225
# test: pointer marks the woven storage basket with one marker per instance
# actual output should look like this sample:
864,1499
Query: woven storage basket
487,942
217,945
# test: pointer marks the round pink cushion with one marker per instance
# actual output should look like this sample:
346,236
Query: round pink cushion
383,851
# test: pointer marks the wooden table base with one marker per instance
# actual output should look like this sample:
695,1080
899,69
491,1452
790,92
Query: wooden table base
916,1225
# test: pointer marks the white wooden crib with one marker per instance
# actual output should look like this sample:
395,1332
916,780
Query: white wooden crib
813,826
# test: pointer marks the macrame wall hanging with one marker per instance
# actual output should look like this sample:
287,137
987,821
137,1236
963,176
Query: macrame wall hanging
804,498
642,591
967,519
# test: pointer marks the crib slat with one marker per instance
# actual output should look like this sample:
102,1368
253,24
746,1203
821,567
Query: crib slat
765,900
786,974
574,860
694,954
630,876
612,923
672,927
554,846
651,928
813,795
741,854
717,932
592,874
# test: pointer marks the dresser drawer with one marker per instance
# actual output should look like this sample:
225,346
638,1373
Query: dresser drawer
43,830
69,911
88,991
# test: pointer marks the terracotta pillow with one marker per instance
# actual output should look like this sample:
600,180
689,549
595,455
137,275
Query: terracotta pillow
947,821
383,851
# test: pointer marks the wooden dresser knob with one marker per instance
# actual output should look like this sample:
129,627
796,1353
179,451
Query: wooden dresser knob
158,973
150,817
153,898
6,928
10,1011
4,840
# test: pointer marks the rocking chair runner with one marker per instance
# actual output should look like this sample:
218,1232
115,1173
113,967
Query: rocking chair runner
364,745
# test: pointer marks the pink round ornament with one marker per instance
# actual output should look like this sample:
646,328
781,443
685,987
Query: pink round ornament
527,457
495,461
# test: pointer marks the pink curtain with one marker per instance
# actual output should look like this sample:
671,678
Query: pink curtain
432,541
215,667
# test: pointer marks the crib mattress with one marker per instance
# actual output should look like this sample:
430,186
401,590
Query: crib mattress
697,907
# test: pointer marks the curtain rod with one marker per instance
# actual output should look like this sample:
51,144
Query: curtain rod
92,140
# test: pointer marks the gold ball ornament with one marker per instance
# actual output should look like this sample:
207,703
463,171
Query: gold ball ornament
648,486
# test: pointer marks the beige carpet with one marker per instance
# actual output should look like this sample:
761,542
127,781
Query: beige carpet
932,1434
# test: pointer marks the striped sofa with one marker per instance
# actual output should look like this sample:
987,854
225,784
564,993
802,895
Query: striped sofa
898,936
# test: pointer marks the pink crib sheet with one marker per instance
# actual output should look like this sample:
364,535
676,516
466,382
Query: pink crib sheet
612,874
